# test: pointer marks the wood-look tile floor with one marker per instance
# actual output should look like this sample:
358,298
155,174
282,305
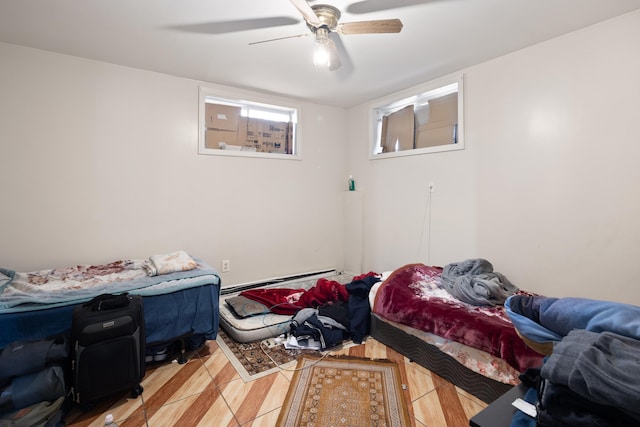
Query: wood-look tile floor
207,391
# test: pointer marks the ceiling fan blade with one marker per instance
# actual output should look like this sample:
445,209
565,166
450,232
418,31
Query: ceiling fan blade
280,38
224,27
368,6
306,11
371,27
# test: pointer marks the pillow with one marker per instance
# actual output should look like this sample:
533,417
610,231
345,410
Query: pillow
245,307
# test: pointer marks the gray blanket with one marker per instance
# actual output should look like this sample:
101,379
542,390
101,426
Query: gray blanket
473,281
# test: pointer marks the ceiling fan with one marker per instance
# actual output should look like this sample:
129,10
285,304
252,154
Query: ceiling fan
323,21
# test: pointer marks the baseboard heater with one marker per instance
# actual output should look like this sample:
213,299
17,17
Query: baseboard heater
277,280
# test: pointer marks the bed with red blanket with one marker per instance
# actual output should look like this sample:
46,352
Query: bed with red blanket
474,346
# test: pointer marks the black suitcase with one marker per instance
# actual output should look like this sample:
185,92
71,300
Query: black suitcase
108,342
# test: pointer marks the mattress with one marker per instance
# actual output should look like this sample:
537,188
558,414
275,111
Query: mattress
431,358
35,305
192,311
268,325
414,296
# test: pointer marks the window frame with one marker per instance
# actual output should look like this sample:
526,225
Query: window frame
239,98
401,99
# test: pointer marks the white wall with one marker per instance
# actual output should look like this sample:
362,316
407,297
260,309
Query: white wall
99,162
548,186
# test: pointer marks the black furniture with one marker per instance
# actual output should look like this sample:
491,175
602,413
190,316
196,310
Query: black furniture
500,412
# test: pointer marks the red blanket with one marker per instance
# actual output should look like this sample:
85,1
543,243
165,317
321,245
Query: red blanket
289,301
412,296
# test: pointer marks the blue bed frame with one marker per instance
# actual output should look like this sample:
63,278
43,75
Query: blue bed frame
168,317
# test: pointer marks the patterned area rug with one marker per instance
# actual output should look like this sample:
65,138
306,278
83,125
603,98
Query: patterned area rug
344,390
254,360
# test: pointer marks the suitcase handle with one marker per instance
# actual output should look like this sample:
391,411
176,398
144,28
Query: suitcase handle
108,302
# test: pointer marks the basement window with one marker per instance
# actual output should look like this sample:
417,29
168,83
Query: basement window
425,119
231,124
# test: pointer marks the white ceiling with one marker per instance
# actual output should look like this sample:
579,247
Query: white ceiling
209,40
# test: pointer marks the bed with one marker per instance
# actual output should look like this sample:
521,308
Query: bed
475,347
246,320
180,306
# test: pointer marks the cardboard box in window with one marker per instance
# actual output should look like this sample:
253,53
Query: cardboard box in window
398,129
436,122
275,137
442,108
266,128
275,146
434,134
216,138
221,117
266,136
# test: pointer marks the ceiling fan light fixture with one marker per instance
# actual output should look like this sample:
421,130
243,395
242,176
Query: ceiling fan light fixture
322,34
320,55
321,48
334,57
325,54
323,21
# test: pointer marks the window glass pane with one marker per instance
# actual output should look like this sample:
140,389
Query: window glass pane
428,118
238,127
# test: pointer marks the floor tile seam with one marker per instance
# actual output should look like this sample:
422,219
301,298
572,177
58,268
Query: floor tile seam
261,415
232,380
421,395
433,390
180,399
418,423
283,373
413,415
213,377
220,389
204,365
211,384
171,401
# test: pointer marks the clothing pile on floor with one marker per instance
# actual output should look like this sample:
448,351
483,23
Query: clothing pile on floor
592,376
324,315
33,386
